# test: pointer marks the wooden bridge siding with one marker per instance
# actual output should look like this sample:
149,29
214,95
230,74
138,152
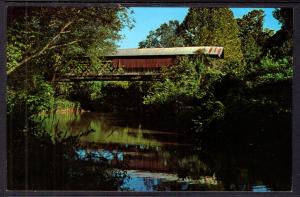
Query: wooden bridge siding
132,63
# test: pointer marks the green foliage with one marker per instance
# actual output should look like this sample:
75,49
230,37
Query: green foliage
14,55
253,35
96,89
61,103
181,82
45,42
270,70
41,97
213,27
252,24
280,44
211,110
10,100
54,41
165,36
251,49
187,93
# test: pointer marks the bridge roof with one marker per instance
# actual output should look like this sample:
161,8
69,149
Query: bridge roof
207,50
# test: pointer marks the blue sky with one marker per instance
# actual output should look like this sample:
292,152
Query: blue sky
147,19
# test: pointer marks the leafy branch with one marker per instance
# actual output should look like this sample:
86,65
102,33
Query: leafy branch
42,50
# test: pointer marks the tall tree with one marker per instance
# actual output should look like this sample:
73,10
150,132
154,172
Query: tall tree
213,27
164,36
253,35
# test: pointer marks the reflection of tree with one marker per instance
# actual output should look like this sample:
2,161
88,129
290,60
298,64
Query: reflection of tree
52,165
90,175
189,164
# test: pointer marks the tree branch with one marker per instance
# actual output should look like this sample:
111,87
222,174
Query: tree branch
61,45
42,50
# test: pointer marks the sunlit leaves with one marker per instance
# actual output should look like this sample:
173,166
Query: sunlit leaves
213,27
180,82
253,35
166,35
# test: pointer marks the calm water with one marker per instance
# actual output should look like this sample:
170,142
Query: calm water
154,160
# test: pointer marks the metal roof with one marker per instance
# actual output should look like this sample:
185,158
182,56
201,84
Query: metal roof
208,50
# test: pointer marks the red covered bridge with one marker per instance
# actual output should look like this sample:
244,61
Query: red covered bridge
143,64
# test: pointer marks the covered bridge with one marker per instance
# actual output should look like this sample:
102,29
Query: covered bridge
142,64
154,58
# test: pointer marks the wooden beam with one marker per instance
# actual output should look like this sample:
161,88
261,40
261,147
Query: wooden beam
111,77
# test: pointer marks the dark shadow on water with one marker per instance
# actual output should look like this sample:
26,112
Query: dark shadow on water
117,157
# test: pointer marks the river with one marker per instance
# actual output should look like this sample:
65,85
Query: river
156,160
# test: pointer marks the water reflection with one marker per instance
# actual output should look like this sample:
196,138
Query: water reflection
154,160
107,129
97,154
260,188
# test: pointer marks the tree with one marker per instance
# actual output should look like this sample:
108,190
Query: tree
213,27
252,23
281,44
251,27
253,35
53,40
164,36
43,42
285,17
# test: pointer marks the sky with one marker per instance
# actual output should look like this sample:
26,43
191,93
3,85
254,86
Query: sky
147,19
